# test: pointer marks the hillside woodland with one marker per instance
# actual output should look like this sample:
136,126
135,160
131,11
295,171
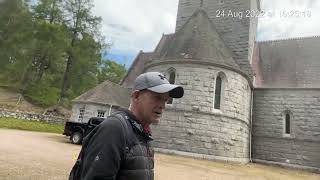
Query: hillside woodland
51,52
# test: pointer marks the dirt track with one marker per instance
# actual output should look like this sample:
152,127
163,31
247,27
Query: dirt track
42,156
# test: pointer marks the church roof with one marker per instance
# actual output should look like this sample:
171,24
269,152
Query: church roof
288,63
136,69
197,39
106,93
165,40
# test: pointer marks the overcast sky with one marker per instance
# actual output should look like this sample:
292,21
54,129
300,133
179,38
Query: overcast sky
134,25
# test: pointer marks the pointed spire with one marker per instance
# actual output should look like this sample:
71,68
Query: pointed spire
201,3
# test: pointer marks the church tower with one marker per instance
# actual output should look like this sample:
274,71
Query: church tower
235,20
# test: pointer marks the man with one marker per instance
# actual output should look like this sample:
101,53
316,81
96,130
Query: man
118,149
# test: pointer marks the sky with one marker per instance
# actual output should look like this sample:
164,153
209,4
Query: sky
134,25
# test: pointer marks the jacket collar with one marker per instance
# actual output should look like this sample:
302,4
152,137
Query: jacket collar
145,131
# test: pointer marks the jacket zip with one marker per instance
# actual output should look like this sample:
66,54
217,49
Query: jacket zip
149,156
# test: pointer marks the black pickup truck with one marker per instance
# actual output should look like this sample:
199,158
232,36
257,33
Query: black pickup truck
77,131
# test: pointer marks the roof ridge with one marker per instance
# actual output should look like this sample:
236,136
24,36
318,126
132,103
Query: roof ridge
188,41
150,52
115,94
131,67
108,81
289,39
169,34
95,88
135,61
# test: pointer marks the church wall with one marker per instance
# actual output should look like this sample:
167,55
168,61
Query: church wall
270,143
191,124
218,136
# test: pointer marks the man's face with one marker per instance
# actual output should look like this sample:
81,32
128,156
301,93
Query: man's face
151,105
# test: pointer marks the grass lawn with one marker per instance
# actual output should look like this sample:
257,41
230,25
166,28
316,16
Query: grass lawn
11,123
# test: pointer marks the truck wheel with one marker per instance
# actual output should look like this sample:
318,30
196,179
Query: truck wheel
76,138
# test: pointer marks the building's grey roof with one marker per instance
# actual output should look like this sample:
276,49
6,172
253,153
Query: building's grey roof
288,63
135,69
106,93
197,39
161,47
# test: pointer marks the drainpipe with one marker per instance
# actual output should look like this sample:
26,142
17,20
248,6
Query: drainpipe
110,110
250,139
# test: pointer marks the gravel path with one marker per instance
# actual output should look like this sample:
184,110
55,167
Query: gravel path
43,156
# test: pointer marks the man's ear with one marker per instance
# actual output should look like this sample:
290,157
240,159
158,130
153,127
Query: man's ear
135,95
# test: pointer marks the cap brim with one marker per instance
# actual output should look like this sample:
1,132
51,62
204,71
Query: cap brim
175,91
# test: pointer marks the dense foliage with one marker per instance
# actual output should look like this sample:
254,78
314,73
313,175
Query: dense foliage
51,51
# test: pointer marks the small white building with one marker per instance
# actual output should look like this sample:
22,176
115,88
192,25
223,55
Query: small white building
100,101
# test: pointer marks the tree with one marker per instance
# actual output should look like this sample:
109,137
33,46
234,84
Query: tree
16,28
83,72
51,37
80,23
49,10
46,54
50,50
112,71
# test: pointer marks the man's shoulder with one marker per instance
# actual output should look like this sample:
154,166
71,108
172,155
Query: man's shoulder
114,120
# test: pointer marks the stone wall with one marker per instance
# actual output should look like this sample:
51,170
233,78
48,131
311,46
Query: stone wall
31,116
302,147
218,136
198,82
191,124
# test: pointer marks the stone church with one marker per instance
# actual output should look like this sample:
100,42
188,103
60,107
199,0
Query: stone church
245,101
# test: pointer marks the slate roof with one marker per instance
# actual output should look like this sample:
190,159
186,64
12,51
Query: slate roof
161,47
199,40
288,63
135,69
106,93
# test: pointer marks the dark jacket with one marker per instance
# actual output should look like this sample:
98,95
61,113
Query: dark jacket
117,149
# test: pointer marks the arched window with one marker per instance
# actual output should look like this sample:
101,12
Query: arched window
171,76
218,90
217,93
287,123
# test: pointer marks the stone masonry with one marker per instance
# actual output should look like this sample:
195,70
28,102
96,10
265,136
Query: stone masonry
30,116
269,143
237,32
192,125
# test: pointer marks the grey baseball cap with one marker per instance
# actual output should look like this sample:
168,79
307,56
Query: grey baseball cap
157,82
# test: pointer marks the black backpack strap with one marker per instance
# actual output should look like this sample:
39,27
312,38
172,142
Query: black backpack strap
124,121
